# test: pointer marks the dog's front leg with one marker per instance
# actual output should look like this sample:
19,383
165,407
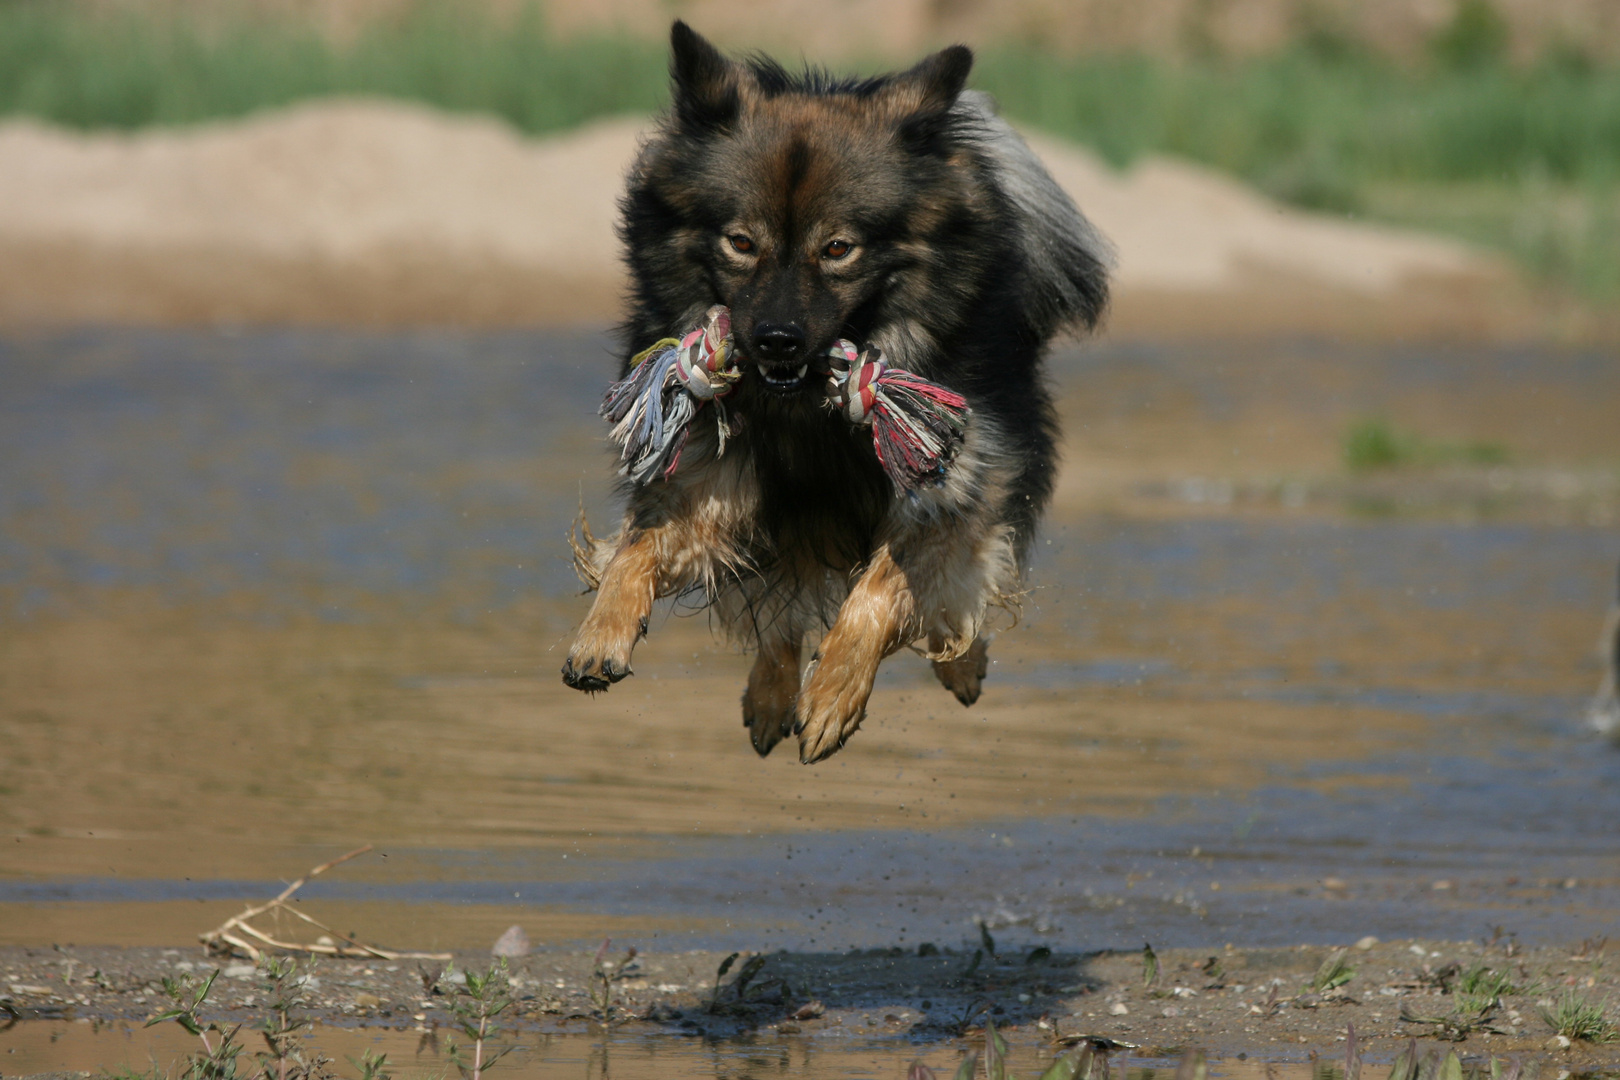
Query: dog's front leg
876,619
618,619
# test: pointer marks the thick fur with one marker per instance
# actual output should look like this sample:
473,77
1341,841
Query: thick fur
898,211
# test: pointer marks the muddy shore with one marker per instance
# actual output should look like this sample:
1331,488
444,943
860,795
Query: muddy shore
1229,1001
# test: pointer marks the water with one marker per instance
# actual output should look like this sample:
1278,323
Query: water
264,597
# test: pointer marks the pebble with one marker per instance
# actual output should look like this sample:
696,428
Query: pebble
1119,1008
1366,943
239,971
514,942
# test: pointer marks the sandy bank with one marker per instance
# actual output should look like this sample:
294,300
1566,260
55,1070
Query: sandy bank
385,213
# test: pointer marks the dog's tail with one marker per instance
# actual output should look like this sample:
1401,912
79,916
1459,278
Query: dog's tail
1067,258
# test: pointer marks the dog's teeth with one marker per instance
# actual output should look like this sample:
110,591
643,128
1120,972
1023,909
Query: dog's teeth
802,369
763,372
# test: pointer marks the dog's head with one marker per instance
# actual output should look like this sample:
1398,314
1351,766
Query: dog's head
814,208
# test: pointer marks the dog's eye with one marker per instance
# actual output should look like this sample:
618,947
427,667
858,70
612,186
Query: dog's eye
741,244
837,249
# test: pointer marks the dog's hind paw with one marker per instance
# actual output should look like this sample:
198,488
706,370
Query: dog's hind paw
767,725
773,690
964,676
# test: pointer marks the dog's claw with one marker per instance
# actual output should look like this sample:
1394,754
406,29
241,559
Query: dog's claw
581,676
827,717
766,731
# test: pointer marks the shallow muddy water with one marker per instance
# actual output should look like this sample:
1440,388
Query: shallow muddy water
266,597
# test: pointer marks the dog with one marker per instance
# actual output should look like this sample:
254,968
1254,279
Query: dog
897,212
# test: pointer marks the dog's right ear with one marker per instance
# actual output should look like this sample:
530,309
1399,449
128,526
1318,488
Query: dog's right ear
706,84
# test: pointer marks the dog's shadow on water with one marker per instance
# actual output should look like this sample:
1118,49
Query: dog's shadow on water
925,993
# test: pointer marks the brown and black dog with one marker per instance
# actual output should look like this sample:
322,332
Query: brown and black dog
899,212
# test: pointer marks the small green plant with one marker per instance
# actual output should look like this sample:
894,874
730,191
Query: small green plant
1481,989
284,1023
1580,1020
219,1057
1150,964
1373,444
1476,995
1476,37
477,1005
604,973
371,1065
1333,973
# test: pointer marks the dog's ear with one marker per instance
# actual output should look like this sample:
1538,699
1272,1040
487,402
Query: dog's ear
922,97
706,84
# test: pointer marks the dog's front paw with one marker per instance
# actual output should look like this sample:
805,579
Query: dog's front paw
831,708
600,658
591,674
964,676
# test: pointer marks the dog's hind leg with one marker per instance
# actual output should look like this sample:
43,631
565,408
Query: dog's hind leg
773,689
963,676
618,619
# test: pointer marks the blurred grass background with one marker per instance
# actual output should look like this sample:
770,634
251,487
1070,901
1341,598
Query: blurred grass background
1522,156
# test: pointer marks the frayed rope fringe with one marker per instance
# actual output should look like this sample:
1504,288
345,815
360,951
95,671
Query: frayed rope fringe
917,426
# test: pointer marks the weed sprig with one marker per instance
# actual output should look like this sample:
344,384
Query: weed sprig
477,1003
221,1054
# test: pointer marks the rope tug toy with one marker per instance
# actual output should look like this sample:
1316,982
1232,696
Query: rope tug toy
917,426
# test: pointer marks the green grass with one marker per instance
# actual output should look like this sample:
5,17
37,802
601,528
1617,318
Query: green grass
1580,1020
127,69
1374,444
1521,158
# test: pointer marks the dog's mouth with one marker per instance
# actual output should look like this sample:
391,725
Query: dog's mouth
783,378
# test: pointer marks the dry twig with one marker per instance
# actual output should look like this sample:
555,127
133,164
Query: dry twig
238,933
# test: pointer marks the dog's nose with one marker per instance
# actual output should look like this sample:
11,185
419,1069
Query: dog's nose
779,342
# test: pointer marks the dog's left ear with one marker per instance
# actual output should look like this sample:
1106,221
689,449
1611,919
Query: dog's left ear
924,95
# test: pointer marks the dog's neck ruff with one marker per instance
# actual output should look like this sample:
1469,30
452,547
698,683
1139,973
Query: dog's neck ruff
917,426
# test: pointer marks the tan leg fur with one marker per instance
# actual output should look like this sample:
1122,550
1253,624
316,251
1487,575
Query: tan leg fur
618,619
872,623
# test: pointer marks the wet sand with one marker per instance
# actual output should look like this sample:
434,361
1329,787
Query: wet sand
268,596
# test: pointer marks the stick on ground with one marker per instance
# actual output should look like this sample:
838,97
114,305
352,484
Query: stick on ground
238,934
